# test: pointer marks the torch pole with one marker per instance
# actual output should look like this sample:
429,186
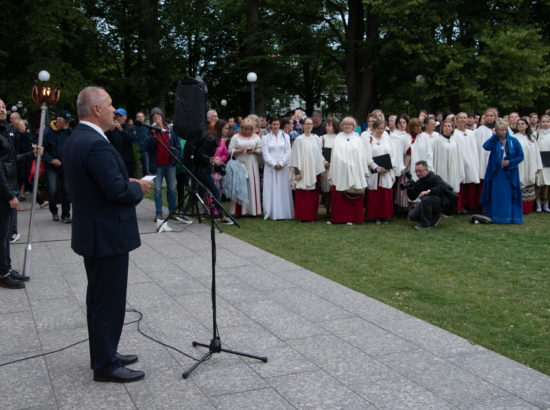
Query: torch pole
28,250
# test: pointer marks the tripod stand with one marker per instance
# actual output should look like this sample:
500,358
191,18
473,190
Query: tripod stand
215,345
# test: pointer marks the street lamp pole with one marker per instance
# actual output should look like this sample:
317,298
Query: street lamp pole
43,96
252,77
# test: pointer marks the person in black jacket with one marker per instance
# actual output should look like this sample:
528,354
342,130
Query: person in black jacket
55,136
436,196
9,278
122,138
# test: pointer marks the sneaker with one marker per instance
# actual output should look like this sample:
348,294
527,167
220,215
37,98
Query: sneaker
182,219
378,222
55,217
157,217
349,223
66,220
539,209
421,227
44,204
546,209
445,216
15,237
227,221
17,276
8,282
329,223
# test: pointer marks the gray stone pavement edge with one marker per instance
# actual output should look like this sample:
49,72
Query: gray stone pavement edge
328,346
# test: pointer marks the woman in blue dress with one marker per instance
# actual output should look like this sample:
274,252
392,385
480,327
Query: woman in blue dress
501,194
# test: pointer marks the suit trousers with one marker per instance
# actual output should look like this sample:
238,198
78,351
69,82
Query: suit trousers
106,306
428,212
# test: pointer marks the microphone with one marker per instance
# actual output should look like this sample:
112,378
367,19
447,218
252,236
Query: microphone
151,127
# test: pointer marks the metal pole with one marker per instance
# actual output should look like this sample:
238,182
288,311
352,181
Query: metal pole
28,250
252,97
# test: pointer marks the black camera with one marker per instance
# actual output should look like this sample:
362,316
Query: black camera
220,169
409,183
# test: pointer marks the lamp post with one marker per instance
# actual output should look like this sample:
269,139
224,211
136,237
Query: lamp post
420,80
407,106
251,77
43,96
224,104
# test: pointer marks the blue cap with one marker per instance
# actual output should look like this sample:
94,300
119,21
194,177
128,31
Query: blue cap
66,115
121,111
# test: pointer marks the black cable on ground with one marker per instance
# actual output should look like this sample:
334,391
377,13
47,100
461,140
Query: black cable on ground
85,340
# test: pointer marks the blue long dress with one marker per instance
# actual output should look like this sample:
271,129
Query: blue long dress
501,193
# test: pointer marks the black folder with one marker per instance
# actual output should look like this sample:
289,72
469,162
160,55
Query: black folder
383,161
545,155
326,153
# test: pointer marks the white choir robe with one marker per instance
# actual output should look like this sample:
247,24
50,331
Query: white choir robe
432,136
377,148
468,148
277,194
348,163
483,133
399,142
421,150
448,163
544,145
531,160
307,156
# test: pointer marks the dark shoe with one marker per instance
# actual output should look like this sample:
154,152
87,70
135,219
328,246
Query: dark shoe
120,375
66,220
17,276
421,227
55,217
227,221
126,359
11,283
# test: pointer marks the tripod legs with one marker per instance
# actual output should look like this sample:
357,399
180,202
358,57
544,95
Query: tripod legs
216,347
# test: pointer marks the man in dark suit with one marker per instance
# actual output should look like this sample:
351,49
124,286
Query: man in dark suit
104,229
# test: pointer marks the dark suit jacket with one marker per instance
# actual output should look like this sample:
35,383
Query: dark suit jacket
104,214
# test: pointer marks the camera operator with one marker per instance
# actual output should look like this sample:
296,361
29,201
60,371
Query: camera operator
436,196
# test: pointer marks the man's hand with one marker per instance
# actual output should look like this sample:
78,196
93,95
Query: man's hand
505,163
423,193
381,170
217,161
56,162
37,150
144,185
14,202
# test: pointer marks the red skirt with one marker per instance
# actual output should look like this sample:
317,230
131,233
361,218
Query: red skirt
379,203
527,207
306,204
468,196
344,209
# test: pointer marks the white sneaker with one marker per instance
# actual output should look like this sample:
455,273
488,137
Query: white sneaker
15,237
539,209
546,209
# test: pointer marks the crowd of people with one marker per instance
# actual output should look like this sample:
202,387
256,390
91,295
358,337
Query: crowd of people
284,168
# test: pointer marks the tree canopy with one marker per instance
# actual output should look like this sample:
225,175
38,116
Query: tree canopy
339,56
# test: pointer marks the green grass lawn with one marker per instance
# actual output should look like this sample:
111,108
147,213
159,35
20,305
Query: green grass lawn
487,283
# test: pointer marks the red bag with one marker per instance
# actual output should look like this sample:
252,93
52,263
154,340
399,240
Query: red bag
33,170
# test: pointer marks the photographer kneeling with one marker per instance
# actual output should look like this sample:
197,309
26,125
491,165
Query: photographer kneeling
436,197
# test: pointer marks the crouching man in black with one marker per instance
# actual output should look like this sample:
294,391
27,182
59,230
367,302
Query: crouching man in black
436,197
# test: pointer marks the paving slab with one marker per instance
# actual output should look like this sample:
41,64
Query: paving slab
328,347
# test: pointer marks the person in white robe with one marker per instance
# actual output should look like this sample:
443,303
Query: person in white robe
543,178
530,166
277,194
333,128
400,137
306,163
447,158
483,133
467,144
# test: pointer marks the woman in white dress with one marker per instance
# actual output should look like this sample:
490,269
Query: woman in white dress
333,128
245,147
531,164
400,139
277,194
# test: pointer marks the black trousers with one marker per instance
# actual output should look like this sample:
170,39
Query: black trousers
106,306
6,215
428,212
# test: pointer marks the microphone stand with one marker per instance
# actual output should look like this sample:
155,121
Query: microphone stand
215,345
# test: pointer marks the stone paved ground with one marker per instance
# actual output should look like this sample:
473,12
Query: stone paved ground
328,346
